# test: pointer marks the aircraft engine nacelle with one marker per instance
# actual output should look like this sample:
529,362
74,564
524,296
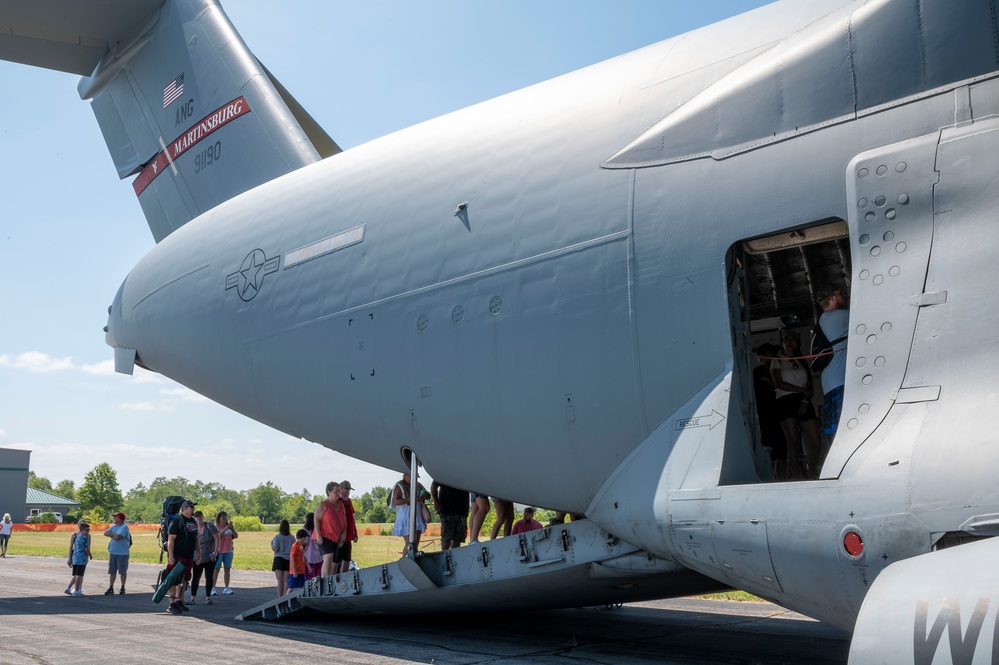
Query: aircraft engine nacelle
941,607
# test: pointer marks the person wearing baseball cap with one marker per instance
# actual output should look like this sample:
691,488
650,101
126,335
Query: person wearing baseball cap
182,547
527,524
342,560
119,548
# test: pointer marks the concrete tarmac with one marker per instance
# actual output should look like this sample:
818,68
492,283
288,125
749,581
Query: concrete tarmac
39,624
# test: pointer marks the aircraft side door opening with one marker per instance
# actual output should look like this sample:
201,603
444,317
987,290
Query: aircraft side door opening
778,287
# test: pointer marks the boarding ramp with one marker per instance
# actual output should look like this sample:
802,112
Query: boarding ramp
277,608
563,565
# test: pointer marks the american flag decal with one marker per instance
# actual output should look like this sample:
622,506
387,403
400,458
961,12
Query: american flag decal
173,90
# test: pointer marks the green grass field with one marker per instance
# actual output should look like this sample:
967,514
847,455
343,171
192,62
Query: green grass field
253,551
253,548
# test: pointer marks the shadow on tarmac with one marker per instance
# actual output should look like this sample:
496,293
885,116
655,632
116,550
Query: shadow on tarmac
680,631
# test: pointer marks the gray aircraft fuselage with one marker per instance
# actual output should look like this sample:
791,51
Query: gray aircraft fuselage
535,295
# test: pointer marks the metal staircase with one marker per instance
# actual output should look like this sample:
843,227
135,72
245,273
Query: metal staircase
570,565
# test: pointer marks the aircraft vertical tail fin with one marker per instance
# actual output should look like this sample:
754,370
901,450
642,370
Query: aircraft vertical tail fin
187,107
183,104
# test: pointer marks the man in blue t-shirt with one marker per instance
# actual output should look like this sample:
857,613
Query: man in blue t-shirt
835,324
119,548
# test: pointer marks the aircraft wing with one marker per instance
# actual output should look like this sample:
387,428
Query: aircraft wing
67,35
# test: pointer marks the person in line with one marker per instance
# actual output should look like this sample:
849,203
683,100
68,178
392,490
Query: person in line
79,556
771,434
479,509
227,534
6,526
835,324
119,548
345,551
313,557
281,546
794,407
400,502
208,552
452,505
528,523
504,517
297,576
182,547
331,527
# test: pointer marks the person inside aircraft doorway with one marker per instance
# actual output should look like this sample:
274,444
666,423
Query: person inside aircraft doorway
835,324
794,408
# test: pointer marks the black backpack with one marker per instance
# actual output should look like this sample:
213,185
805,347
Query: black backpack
171,510
822,350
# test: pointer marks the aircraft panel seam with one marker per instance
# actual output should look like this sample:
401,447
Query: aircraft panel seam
636,354
169,282
538,258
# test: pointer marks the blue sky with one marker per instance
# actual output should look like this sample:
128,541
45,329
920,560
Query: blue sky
70,230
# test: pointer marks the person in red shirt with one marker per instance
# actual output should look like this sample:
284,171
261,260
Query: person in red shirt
331,526
528,523
296,578
344,553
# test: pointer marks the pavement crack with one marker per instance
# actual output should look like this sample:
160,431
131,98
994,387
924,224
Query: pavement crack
27,654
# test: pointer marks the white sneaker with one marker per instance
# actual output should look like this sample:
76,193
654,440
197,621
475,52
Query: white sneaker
213,592
78,593
227,591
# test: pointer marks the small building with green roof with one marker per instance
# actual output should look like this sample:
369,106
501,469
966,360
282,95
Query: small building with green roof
39,501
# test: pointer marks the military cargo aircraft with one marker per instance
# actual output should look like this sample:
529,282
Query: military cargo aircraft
581,271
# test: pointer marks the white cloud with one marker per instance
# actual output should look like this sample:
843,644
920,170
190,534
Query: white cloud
103,368
37,362
185,394
144,376
3,432
137,406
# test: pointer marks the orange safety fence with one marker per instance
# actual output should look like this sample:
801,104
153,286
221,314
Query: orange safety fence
433,529
69,528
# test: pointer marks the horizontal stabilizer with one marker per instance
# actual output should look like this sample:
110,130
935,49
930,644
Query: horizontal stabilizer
67,35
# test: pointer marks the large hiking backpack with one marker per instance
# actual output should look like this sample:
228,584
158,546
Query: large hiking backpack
821,350
171,510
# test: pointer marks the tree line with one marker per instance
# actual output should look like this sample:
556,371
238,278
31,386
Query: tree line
100,497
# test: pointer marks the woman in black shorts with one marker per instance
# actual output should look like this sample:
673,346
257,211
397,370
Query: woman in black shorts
794,407
281,545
